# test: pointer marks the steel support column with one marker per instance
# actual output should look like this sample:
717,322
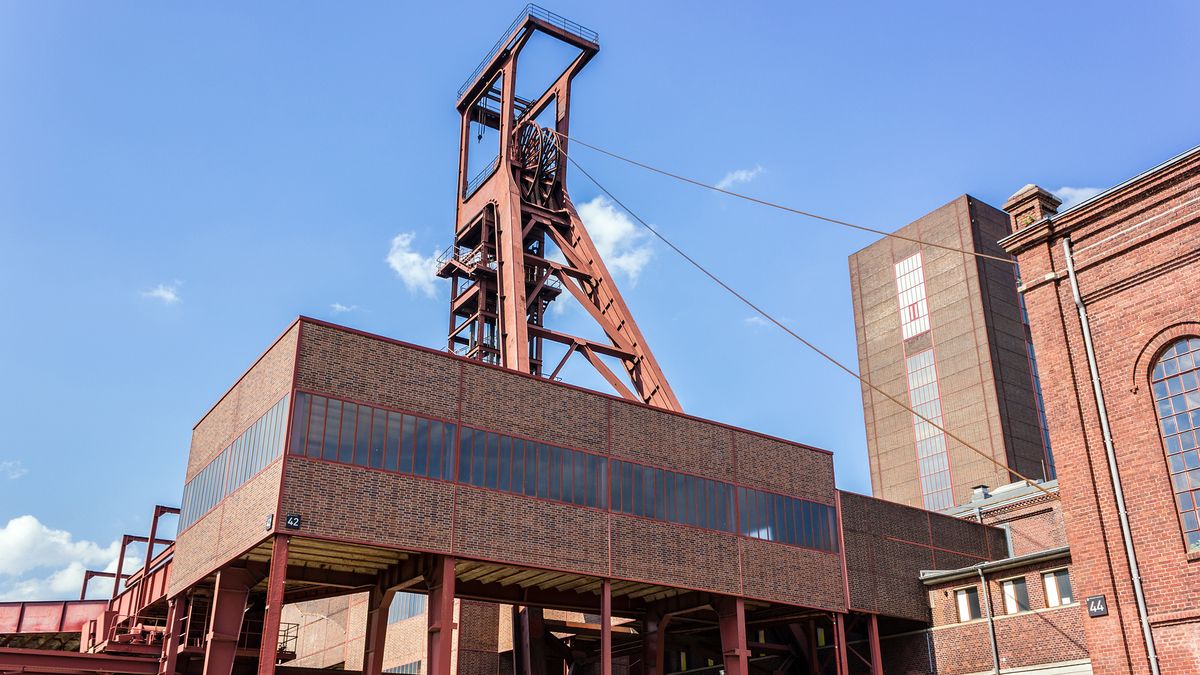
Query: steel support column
606,628
841,653
654,644
268,652
228,605
731,615
170,655
876,651
440,641
379,601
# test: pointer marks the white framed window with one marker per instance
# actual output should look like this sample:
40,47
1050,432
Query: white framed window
910,288
1058,587
968,603
1016,595
932,461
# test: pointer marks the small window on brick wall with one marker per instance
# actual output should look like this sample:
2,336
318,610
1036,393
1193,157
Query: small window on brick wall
968,603
1175,382
1058,588
1016,595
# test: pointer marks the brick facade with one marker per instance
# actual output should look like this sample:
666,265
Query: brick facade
978,340
1135,249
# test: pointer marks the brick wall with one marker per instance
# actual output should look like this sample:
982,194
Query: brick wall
1136,256
888,545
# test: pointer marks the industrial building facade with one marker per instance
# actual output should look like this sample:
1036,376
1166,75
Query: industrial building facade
944,330
1110,288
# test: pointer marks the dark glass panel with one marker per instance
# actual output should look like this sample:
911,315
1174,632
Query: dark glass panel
465,442
435,449
449,455
299,424
349,426
316,426
492,461
408,440
362,438
395,423
504,464
627,486
479,458
531,468
333,420
595,482
579,492
649,497
378,438
421,449
555,473
543,470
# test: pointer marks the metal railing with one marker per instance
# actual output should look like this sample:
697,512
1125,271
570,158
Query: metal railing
540,13
481,177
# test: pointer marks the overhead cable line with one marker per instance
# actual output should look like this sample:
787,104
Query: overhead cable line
825,355
781,207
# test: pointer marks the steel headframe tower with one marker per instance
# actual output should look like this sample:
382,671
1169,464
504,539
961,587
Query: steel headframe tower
511,204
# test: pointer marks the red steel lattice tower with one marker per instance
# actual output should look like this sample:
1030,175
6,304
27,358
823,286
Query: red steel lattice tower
513,203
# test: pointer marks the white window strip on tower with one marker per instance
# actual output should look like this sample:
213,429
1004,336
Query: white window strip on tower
910,288
932,462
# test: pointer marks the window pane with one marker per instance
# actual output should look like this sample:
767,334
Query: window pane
316,426
362,439
579,468
492,461
299,424
516,473
556,472
507,463
628,486
421,451
543,471
394,424
435,449
479,459
349,427
449,432
333,420
378,438
408,441
465,442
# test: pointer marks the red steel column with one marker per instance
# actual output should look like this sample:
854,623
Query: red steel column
654,644
378,603
606,628
268,651
166,665
228,605
876,650
839,632
439,649
731,613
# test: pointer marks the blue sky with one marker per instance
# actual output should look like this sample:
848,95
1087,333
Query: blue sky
178,181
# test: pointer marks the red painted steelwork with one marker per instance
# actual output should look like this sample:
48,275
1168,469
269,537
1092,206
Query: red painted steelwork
501,278
606,628
48,617
441,616
228,606
731,614
269,649
49,661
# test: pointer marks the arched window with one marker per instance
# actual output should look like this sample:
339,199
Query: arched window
1176,384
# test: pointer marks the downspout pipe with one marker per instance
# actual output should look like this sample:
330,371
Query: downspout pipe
1114,474
991,619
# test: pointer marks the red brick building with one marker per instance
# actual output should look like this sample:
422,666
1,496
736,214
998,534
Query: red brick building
1110,289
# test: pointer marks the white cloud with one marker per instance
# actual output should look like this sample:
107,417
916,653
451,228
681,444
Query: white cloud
739,176
168,293
621,243
755,320
12,469
1071,196
41,563
339,308
418,272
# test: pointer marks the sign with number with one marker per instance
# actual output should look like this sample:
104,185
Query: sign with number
1097,606
292,521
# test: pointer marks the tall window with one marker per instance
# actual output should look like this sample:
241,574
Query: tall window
968,603
1058,588
1016,595
932,461
910,285
1176,385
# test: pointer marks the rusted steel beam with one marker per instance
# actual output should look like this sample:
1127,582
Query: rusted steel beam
230,592
48,661
440,609
731,616
276,580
